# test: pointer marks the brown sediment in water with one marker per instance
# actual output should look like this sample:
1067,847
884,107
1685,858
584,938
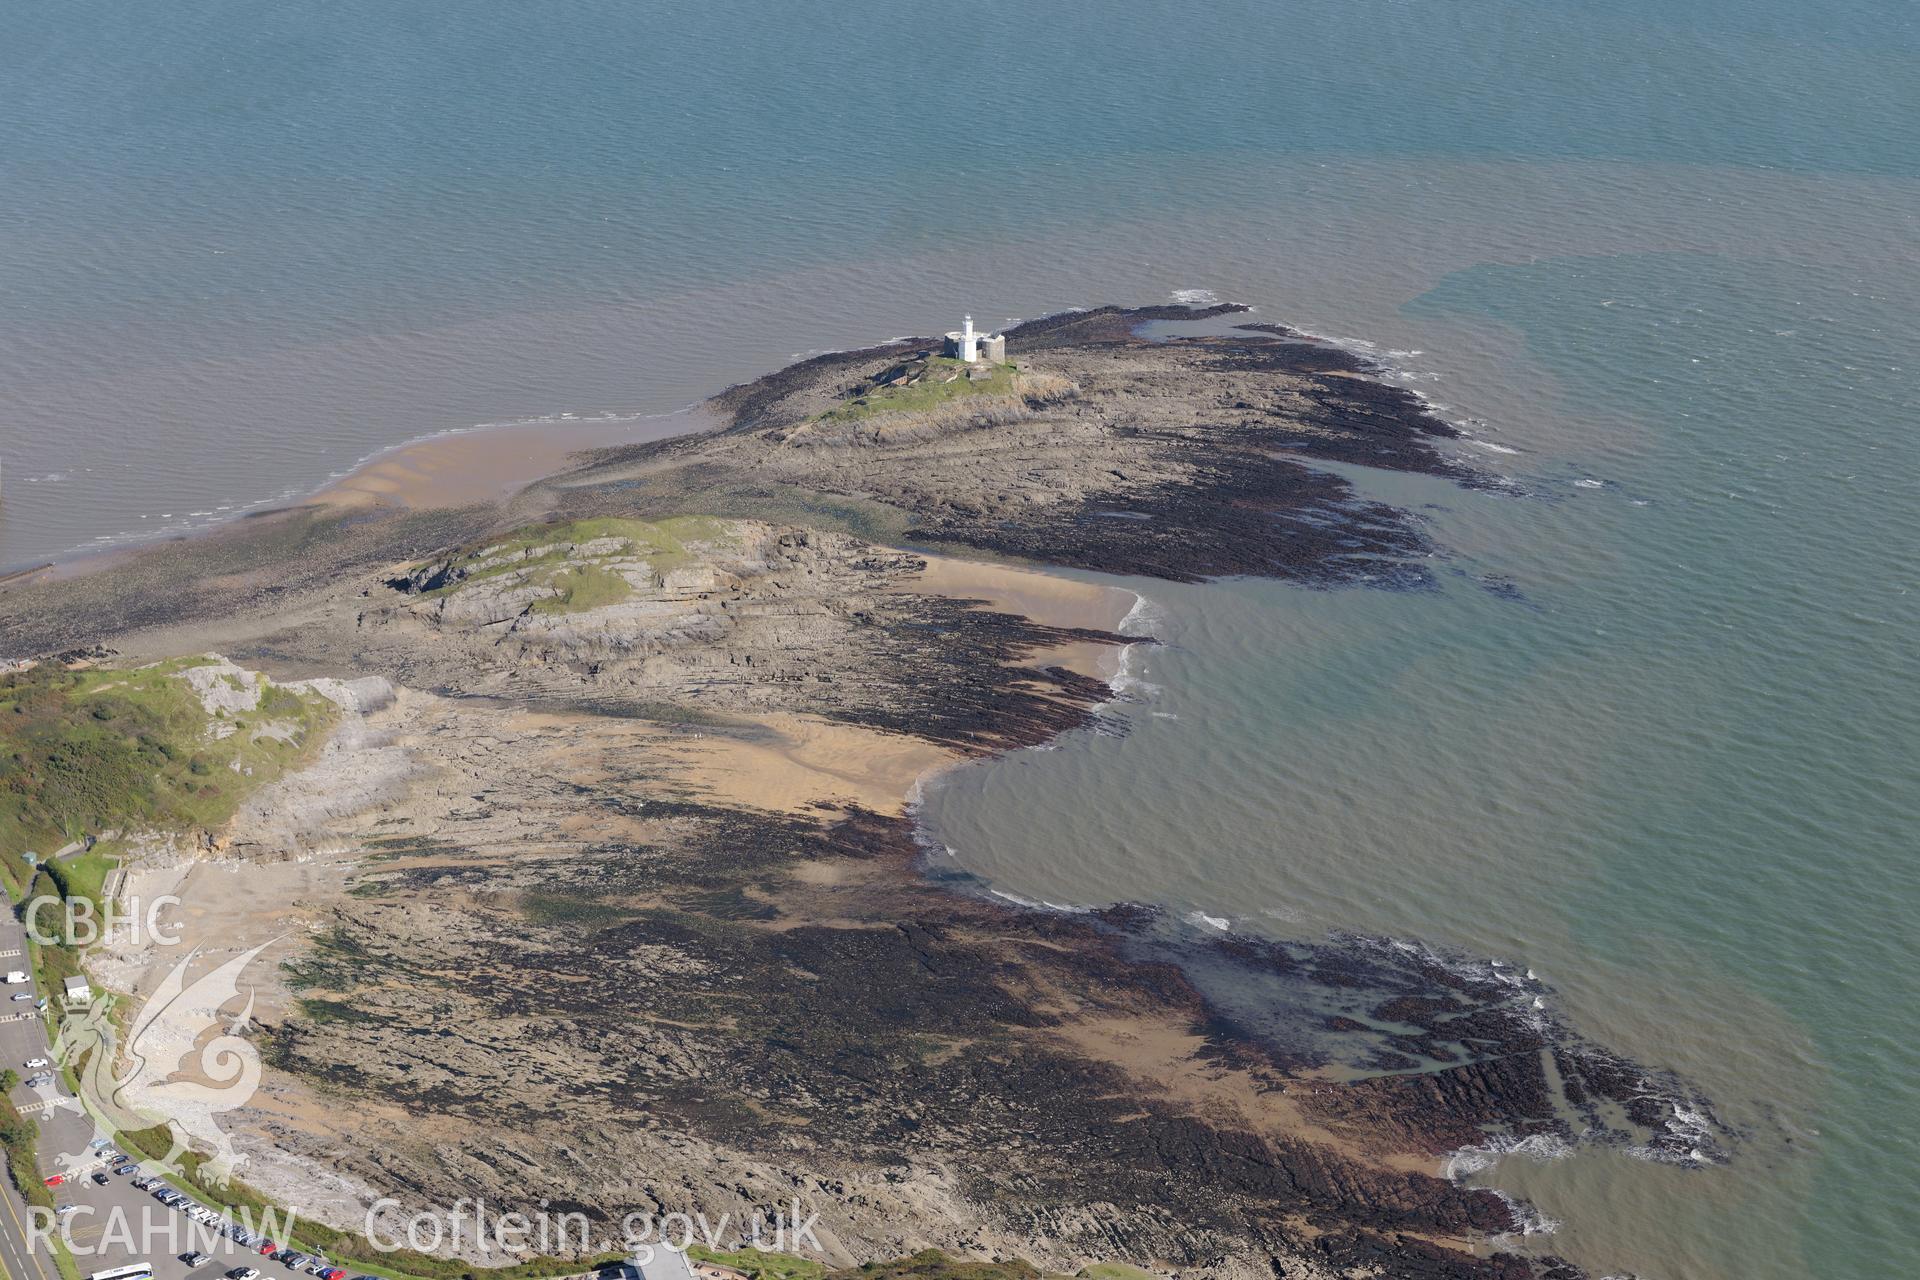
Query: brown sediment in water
491,464
641,921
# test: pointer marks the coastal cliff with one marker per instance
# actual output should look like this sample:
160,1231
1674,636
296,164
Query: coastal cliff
636,916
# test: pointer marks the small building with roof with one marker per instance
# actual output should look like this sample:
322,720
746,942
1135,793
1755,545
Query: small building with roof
971,346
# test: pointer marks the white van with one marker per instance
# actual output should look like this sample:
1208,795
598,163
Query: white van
16,975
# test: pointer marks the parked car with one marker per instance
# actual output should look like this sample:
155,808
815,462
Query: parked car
66,1209
334,1273
195,1258
128,1167
295,1260
37,1062
100,1176
269,1249
244,1273
23,995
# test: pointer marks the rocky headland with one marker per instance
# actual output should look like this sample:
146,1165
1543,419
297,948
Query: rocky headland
625,910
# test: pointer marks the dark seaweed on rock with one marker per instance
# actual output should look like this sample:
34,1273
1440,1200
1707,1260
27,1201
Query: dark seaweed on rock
634,994
1182,458
888,1021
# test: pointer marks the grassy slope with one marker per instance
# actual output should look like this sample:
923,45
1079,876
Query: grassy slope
579,581
96,750
925,394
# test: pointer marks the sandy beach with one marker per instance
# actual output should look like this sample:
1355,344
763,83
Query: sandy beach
491,464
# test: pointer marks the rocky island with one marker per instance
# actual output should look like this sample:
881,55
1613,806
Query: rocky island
603,888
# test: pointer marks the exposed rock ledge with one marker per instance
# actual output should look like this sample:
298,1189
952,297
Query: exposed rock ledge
592,953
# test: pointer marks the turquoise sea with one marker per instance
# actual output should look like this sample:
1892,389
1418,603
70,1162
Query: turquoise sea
1662,259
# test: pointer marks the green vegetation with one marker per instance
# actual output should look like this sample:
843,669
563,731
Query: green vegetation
84,875
544,555
931,1264
581,587
88,751
244,1203
942,379
63,1259
19,1138
762,1265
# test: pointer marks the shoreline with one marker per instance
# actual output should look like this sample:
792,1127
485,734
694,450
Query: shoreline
825,678
455,466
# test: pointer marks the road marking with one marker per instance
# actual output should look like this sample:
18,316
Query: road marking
5,954
26,1241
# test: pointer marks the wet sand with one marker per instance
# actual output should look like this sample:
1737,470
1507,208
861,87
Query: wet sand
1044,597
491,464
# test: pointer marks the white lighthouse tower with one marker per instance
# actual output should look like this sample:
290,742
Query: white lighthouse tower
968,345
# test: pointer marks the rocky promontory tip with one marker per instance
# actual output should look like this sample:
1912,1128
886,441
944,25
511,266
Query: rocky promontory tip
1097,447
617,898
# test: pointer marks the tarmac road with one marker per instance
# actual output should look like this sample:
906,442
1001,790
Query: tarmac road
142,1229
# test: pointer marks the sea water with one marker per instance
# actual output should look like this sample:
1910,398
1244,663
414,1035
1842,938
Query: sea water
1658,258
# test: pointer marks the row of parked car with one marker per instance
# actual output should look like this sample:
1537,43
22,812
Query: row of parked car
292,1259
